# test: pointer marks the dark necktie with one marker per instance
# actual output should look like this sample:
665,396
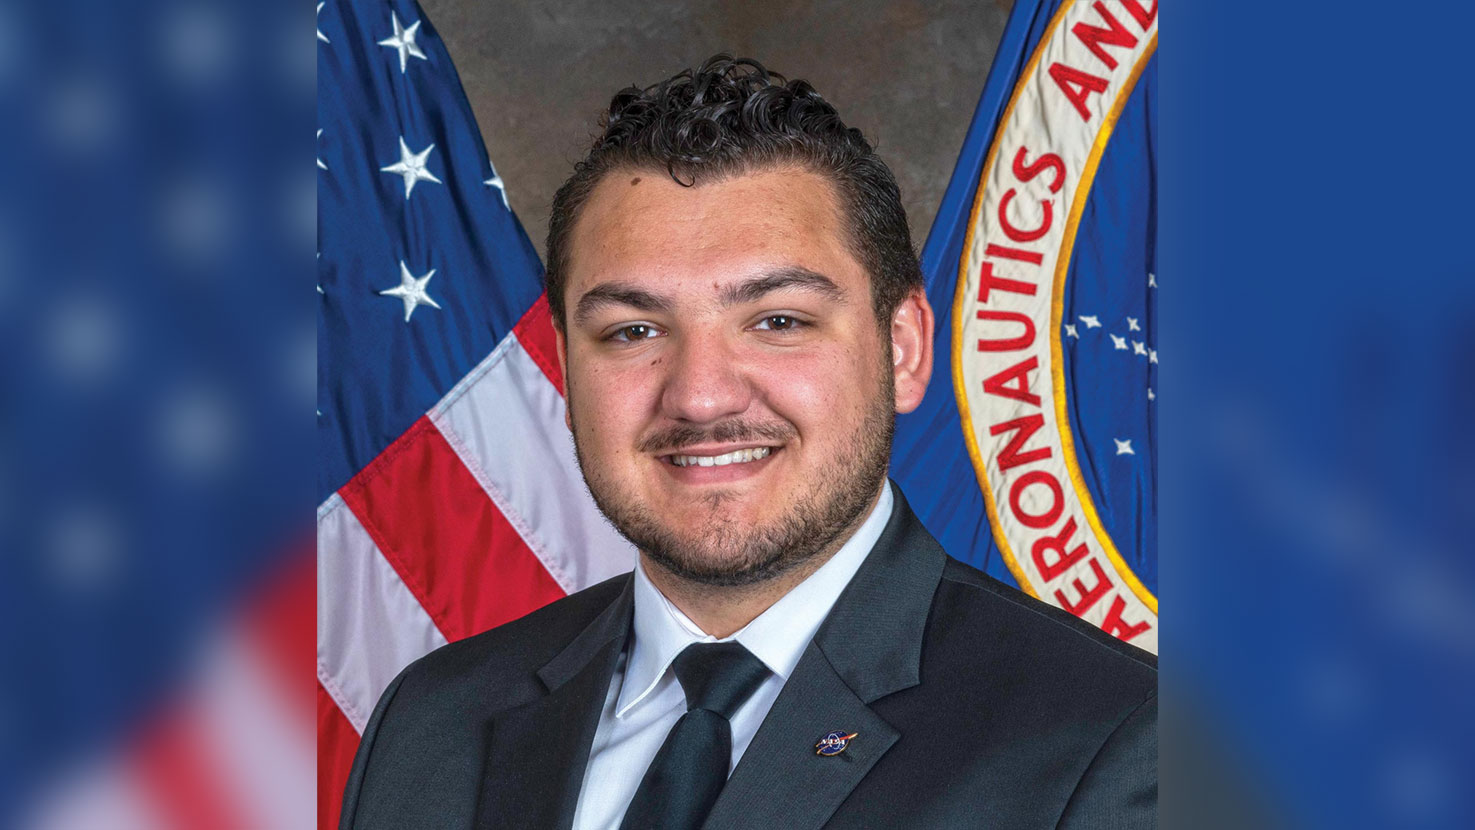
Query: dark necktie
683,781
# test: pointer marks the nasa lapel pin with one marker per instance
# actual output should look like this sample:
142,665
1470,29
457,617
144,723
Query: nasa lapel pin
834,743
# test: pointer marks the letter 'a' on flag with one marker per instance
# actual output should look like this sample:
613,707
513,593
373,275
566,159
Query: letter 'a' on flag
449,498
1034,457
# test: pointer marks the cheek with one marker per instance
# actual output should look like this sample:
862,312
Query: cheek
610,403
818,390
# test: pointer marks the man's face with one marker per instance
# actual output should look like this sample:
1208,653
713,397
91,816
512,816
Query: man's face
730,390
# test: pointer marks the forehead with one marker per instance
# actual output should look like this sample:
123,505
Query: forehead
640,225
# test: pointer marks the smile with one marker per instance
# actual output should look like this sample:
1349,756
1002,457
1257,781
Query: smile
735,457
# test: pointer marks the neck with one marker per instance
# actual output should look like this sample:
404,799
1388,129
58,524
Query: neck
723,610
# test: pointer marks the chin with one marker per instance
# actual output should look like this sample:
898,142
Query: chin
729,550
700,562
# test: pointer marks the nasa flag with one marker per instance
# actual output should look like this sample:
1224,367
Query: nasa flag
1034,456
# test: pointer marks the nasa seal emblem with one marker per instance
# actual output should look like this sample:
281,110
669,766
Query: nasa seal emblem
834,743
1013,333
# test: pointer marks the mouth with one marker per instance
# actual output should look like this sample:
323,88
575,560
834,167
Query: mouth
744,455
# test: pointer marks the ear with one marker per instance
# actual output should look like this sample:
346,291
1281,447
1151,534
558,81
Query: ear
911,349
560,343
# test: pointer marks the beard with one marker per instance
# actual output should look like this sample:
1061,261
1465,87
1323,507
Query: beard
720,551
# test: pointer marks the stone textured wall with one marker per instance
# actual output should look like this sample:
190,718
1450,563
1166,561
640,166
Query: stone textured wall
907,73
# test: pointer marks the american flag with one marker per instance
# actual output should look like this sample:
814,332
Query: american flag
449,498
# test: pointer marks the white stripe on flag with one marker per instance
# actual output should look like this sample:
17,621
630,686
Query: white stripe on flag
505,422
369,624
249,730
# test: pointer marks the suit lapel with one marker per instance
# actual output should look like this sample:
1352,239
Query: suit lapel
537,752
869,647
781,780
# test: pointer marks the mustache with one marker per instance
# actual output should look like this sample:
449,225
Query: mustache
680,436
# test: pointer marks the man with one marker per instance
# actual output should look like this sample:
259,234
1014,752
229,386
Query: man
739,315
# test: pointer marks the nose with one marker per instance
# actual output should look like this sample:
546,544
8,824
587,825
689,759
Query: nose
704,382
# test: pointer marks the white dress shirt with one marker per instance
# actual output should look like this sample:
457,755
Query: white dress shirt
645,699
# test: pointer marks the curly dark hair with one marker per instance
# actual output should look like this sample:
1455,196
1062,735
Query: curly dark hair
729,117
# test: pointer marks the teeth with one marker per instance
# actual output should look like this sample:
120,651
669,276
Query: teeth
734,457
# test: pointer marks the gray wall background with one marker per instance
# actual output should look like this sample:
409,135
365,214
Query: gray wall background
908,73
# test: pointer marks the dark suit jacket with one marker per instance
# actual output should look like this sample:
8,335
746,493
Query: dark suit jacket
975,706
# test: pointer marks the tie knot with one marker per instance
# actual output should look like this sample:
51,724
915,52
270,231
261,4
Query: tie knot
718,677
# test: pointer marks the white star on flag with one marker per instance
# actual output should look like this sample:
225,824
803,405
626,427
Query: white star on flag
1132,324
1151,396
411,166
1119,342
1123,447
321,36
411,290
1152,280
320,161
1091,321
1138,347
1070,331
1152,355
404,42
496,181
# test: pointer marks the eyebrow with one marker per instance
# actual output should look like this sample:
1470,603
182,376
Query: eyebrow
792,276
624,294
621,294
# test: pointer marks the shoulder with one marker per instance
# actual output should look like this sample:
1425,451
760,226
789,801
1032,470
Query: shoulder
502,663
427,735
1051,692
966,593
1053,664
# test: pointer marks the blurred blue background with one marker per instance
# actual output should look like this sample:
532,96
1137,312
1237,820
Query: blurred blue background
1318,463
157,224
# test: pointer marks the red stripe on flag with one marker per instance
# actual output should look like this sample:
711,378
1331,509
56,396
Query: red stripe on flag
281,626
337,742
535,332
456,552
182,779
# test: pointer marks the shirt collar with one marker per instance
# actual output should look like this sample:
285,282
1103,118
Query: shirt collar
777,637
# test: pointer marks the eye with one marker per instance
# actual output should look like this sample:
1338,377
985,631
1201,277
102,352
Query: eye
634,332
778,322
